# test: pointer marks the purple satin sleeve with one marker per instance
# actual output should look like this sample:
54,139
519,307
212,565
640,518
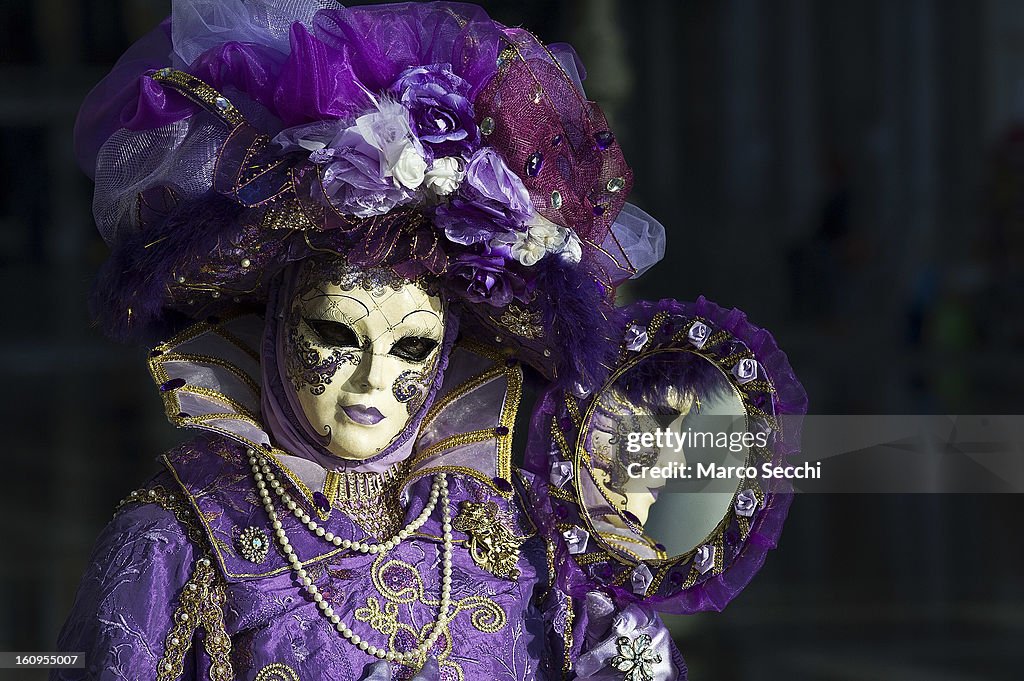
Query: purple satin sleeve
605,628
587,638
127,597
597,625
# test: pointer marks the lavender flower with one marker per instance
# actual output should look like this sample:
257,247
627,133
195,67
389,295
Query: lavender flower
745,370
635,338
561,472
641,579
352,181
487,173
576,539
698,334
468,221
358,178
388,131
746,503
704,561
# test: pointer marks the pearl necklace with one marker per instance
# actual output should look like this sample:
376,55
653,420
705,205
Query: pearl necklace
314,527
438,492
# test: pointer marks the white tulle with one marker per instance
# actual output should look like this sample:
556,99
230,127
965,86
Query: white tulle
641,238
198,25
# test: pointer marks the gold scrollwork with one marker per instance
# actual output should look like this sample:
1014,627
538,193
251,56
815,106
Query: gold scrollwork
492,546
486,615
201,604
406,587
277,672
384,620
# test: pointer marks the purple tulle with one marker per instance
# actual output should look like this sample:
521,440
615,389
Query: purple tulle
317,78
103,111
382,41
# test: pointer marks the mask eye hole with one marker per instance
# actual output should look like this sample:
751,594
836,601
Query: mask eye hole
413,348
334,333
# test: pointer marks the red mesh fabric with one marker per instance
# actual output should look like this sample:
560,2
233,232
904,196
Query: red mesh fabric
556,140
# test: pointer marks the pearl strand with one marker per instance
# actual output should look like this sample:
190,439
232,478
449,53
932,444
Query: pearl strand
438,492
259,466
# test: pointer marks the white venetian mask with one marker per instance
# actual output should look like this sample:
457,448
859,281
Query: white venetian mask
362,349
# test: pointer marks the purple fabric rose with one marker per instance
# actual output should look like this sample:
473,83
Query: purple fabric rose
698,334
561,472
641,578
576,539
494,183
636,338
491,201
351,168
745,370
466,221
442,115
485,279
352,179
705,559
746,503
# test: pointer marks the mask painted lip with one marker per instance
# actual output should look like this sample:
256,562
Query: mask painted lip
363,415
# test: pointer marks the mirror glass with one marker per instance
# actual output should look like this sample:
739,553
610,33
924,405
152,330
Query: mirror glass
662,451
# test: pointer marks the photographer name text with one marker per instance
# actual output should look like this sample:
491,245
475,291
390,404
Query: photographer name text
714,471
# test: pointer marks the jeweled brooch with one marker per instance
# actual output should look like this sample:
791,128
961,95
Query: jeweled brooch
636,658
253,544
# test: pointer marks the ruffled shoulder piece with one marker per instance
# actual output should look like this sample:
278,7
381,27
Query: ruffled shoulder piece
209,378
468,430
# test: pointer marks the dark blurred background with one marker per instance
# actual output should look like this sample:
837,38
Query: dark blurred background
849,173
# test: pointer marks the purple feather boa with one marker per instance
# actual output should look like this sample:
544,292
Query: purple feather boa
129,296
577,313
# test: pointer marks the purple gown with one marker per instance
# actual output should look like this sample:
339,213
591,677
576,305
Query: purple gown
147,608
170,593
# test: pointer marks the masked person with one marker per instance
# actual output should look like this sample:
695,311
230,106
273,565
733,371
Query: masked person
350,230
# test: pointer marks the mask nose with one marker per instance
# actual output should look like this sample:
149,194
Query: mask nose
373,374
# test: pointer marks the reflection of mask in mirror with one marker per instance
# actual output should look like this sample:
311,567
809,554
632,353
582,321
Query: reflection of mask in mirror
614,460
362,347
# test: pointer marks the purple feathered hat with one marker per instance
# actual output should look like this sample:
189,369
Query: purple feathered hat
237,138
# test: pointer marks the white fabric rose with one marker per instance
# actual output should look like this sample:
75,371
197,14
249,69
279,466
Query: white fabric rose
387,130
445,175
529,248
542,237
410,169
572,251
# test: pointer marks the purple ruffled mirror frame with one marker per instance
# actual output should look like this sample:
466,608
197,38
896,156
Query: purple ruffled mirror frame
709,576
